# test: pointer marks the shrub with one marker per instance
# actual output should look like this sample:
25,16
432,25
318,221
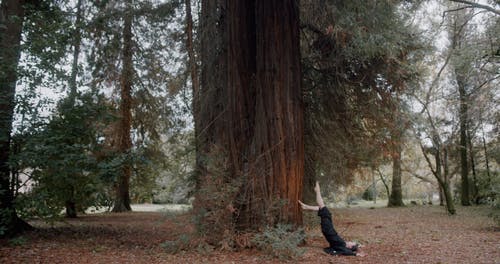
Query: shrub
280,242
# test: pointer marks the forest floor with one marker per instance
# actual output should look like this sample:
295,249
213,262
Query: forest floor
414,234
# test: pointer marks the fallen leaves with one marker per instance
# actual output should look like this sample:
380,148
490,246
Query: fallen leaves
388,235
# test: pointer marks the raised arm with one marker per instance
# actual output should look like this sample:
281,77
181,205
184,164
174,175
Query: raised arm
319,200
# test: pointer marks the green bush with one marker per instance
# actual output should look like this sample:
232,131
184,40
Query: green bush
280,242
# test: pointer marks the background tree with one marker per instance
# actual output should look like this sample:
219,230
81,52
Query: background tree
11,25
144,75
63,159
352,73
474,71
122,201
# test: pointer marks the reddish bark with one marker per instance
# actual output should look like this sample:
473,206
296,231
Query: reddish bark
259,124
122,200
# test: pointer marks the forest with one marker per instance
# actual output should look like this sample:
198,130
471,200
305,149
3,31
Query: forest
187,131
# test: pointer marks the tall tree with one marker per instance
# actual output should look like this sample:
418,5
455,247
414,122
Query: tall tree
71,210
12,13
122,199
195,83
259,118
463,120
351,78
137,35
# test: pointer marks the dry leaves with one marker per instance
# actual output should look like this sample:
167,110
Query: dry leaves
416,234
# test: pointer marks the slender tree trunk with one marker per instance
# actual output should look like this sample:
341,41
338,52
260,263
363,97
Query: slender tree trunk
486,160
443,181
441,160
446,182
195,84
374,187
475,187
11,23
193,68
464,172
396,198
77,40
449,198
385,183
441,195
122,200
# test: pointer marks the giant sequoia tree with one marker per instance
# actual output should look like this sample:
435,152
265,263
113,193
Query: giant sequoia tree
251,123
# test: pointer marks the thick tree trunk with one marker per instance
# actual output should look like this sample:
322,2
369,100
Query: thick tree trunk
262,113
308,194
278,131
464,169
122,200
11,24
214,196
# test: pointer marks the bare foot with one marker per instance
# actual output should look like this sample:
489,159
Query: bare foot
361,254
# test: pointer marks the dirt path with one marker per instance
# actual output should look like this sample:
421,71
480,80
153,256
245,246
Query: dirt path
405,235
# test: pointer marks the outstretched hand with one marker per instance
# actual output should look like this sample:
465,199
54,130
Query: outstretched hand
302,205
307,207
316,187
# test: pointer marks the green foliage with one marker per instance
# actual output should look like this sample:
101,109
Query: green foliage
5,215
62,159
47,35
18,241
369,193
356,62
216,196
281,241
175,246
176,181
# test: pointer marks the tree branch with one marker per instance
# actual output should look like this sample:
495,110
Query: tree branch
477,5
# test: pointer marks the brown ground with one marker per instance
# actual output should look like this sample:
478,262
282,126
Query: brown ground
416,234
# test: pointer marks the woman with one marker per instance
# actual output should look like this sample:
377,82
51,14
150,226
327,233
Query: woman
337,245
